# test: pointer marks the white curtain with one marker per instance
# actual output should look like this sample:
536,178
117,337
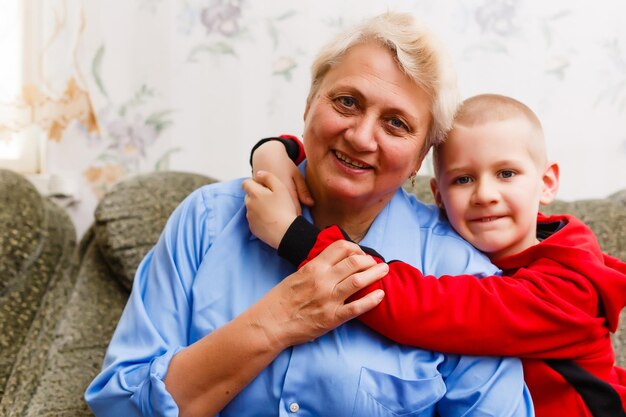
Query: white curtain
42,90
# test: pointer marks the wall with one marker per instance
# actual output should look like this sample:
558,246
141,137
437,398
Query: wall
191,85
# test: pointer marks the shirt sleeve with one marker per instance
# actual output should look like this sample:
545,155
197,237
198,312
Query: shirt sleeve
534,313
154,324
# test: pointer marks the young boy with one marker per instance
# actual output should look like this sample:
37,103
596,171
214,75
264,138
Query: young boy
560,296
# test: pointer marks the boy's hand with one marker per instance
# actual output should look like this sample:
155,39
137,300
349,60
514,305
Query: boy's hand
271,157
271,209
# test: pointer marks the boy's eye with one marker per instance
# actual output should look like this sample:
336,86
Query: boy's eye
465,179
506,174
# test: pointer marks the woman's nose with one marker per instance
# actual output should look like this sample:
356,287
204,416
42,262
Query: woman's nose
362,135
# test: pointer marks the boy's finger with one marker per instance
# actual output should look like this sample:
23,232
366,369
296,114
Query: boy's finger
272,182
252,186
268,180
259,176
246,185
304,195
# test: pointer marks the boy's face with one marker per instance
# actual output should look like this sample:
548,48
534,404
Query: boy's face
492,178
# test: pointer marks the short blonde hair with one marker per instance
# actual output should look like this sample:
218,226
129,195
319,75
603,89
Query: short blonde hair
418,53
485,108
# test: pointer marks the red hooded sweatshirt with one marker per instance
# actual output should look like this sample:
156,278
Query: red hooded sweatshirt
554,307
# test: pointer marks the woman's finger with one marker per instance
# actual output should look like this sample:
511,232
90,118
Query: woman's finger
352,264
304,195
362,305
357,281
337,252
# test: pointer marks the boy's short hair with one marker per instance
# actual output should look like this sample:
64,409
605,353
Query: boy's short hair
419,54
484,108
492,107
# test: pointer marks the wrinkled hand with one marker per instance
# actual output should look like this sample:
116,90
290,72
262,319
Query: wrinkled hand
272,157
270,208
312,301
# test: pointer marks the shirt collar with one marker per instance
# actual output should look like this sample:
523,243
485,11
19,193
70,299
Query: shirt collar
395,231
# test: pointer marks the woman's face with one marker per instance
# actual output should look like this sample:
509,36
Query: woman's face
364,128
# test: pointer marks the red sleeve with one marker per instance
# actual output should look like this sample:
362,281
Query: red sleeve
301,155
540,312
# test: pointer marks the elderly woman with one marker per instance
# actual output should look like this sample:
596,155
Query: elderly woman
212,327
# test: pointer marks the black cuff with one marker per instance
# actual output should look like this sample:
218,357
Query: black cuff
298,241
292,147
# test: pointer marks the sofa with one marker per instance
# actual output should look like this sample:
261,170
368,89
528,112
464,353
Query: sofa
60,298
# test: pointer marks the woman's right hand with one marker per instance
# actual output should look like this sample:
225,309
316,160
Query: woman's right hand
312,301
272,157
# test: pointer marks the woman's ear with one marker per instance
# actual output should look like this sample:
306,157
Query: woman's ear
307,107
434,187
550,184
306,110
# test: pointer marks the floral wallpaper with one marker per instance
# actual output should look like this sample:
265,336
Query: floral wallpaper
192,84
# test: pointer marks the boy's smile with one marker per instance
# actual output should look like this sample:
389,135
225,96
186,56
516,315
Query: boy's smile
491,182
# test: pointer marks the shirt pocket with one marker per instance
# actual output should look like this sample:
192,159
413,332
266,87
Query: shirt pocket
383,395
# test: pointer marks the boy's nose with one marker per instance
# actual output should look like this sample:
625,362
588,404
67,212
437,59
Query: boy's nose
484,193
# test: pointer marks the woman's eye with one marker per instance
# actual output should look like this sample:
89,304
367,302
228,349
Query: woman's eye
462,180
506,174
347,101
398,124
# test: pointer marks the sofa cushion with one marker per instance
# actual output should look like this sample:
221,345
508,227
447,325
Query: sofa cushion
605,217
82,335
130,218
619,197
22,220
37,259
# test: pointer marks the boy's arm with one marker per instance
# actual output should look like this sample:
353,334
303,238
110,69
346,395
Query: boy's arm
293,147
269,207
531,314
280,156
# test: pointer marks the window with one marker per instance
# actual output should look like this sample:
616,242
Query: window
21,143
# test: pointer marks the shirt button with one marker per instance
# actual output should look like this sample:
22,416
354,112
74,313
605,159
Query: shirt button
294,407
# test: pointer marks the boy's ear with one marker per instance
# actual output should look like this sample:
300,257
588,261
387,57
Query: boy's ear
550,183
434,187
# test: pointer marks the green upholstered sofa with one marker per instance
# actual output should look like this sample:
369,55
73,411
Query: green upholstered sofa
60,299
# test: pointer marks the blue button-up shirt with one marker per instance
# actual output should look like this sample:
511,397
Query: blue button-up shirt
207,268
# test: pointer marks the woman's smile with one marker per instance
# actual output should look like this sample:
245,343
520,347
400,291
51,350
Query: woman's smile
351,163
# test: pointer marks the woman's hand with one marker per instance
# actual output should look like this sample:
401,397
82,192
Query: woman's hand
312,301
272,157
270,208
